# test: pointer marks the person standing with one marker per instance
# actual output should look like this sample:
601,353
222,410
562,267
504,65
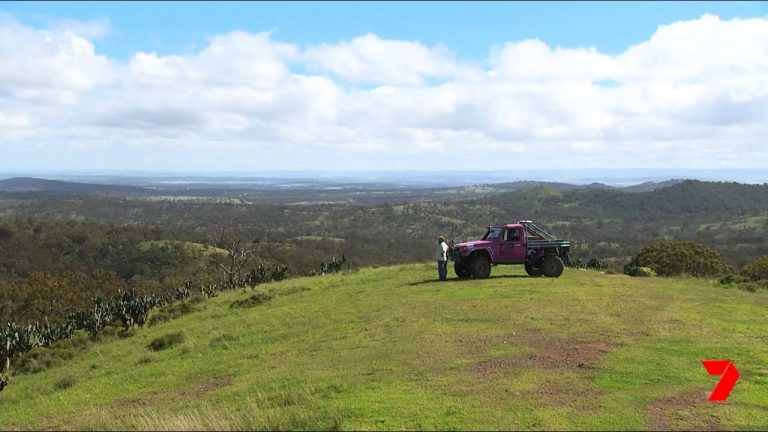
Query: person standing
441,255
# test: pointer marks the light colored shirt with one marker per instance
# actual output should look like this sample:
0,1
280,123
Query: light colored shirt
441,254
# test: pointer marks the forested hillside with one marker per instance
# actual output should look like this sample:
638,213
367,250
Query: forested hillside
60,244
608,224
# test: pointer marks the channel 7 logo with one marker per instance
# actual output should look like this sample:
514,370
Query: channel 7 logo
730,374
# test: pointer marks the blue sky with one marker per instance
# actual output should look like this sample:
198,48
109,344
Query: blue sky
249,86
469,28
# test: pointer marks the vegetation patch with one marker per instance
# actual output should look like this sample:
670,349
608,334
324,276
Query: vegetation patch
756,270
253,300
174,310
40,359
223,341
639,271
166,341
744,283
675,258
293,290
65,382
145,358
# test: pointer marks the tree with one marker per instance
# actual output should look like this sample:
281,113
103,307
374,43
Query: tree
235,258
674,257
757,269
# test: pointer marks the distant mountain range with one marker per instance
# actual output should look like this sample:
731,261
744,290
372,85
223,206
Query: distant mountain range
642,187
32,184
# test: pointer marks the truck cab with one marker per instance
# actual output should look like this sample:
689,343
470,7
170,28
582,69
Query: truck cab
522,243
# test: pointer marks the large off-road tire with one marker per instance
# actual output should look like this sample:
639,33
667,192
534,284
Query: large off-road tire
480,267
552,266
462,271
532,271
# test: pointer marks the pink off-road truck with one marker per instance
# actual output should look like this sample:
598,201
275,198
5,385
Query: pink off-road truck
516,243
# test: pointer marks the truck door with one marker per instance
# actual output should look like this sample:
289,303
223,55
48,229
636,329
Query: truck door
507,246
517,244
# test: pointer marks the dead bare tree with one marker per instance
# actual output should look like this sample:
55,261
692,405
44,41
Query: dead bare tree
238,254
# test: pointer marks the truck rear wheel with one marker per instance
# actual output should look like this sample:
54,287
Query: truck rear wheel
480,267
552,266
532,271
461,270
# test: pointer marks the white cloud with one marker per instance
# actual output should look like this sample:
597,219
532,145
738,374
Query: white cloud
92,29
695,93
49,65
370,59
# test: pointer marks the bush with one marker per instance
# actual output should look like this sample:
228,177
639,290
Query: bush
251,301
174,310
166,341
639,271
750,286
40,359
65,383
757,269
732,279
674,258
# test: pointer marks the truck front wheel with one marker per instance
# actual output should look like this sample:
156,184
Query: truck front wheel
552,266
480,267
461,270
532,271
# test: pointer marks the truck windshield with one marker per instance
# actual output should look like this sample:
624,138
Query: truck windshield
493,233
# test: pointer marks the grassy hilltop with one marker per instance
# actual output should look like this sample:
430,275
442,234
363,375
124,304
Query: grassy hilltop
391,348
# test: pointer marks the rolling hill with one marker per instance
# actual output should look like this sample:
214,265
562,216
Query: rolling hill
32,184
391,348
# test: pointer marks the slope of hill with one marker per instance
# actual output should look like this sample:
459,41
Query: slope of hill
305,192
651,186
31,184
390,348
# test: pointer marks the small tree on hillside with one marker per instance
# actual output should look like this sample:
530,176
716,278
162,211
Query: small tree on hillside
236,257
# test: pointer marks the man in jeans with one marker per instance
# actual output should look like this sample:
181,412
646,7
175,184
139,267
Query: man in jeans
441,255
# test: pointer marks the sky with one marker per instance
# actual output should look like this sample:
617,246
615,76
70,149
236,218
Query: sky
382,86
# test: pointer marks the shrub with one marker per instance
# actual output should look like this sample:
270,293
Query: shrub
251,301
730,279
279,273
672,258
334,266
750,286
95,319
639,271
183,292
145,359
173,311
65,383
40,359
211,290
132,309
757,269
166,341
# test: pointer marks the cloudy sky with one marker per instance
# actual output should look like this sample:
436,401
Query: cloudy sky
384,86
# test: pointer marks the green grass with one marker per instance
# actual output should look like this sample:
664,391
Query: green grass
392,348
